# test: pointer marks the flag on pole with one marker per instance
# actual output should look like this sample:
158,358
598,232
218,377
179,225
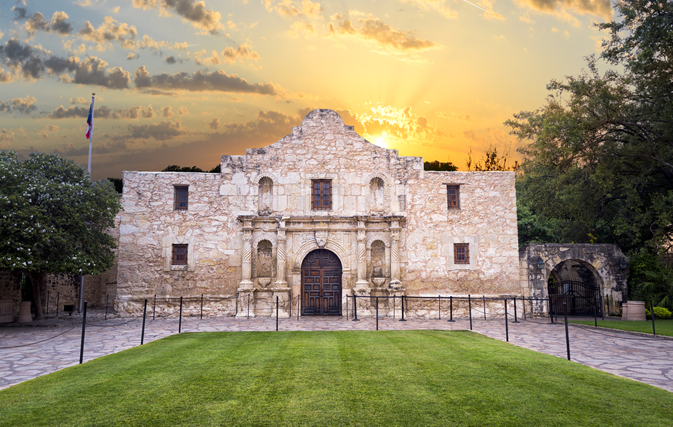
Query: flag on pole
89,121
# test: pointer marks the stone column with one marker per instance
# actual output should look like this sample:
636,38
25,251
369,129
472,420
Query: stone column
395,256
246,265
280,260
361,285
246,292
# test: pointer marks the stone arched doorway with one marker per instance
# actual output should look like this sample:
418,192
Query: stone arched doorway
576,284
321,284
604,264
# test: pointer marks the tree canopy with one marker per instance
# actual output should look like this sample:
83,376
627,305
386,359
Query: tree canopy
53,218
599,164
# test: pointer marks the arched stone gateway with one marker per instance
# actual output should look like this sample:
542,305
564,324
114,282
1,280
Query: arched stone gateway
579,271
321,284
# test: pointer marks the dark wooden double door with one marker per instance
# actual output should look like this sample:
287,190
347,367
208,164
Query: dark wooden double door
321,284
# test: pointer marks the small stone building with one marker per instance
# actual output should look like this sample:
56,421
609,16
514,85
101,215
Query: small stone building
316,216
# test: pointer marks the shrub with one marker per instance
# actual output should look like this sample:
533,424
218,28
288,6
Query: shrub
660,313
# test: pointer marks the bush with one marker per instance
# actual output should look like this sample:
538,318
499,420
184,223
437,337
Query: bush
660,313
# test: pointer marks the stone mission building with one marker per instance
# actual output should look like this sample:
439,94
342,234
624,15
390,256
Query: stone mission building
319,215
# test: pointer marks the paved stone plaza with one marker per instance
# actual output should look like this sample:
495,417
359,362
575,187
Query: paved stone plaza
27,352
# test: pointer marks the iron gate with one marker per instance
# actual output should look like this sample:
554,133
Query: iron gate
580,298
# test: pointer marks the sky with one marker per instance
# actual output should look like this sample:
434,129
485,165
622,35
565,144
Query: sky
185,81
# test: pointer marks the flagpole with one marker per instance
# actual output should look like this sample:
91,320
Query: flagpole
81,276
93,98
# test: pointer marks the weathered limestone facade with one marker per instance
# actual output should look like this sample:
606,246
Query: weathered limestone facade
250,230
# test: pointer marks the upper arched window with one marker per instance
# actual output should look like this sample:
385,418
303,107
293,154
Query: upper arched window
376,199
265,196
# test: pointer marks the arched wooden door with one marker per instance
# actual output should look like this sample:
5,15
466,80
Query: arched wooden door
321,284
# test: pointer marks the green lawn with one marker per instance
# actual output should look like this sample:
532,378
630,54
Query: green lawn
662,327
367,378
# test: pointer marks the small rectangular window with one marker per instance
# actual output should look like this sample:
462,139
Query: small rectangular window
453,196
321,194
461,253
179,255
181,198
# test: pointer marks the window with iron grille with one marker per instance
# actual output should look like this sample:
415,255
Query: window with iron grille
461,253
179,255
453,196
321,194
181,197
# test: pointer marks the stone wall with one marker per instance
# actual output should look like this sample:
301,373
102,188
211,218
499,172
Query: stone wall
602,260
389,224
10,288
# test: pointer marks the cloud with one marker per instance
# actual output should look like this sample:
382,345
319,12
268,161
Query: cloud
182,111
282,7
172,60
159,131
401,125
311,9
110,30
560,8
167,111
301,28
192,11
214,124
148,43
214,59
33,63
19,105
103,112
382,35
132,56
58,24
243,51
20,13
201,81
79,100
436,5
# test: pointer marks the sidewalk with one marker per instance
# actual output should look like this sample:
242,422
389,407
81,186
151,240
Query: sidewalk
55,344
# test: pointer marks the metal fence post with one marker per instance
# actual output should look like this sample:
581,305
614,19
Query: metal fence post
377,313
142,334
439,303
298,308
506,324
81,347
248,306
58,295
154,307
451,309
551,315
402,298
484,297
515,318
524,307
652,314
106,297
565,312
347,313
276,313
180,321
469,305
201,306
595,313
355,308
47,302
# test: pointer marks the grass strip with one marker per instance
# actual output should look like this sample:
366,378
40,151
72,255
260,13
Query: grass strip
663,327
359,378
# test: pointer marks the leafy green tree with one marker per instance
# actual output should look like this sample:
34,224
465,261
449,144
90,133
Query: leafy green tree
53,219
600,158
176,168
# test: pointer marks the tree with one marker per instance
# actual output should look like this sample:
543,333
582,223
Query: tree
176,168
53,219
439,166
600,158
491,161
